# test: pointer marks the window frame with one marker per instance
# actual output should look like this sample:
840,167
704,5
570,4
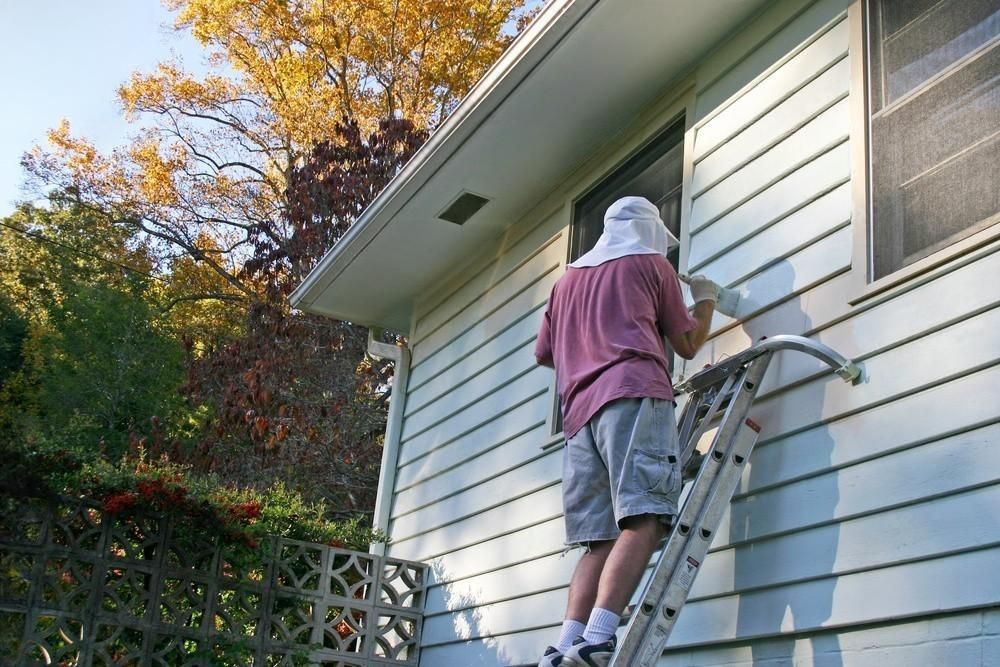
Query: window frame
676,108
863,286
677,125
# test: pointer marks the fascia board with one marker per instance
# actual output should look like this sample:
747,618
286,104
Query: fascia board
555,21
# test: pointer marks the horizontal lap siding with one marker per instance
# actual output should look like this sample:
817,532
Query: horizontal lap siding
861,504
969,639
474,492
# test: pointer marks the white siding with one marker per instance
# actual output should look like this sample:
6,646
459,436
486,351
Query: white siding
959,640
864,531
475,494
862,505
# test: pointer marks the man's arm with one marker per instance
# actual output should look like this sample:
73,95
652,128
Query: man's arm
543,344
688,343
705,293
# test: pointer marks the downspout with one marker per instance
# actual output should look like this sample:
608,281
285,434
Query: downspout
400,355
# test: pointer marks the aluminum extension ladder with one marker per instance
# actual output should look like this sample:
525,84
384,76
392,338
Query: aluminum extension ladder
729,388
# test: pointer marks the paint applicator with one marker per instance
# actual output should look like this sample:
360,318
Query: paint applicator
728,299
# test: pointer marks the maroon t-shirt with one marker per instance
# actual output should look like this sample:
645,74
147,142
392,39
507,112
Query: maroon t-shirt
603,332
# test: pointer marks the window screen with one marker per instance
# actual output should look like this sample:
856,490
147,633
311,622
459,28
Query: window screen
655,173
935,125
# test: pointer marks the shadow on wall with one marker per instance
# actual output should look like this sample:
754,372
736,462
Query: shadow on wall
766,563
478,648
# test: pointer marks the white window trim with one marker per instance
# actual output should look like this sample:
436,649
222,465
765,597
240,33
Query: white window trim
946,259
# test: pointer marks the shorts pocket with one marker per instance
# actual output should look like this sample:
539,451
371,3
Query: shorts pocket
654,474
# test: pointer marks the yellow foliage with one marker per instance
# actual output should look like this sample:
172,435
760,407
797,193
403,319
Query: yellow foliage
318,60
215,153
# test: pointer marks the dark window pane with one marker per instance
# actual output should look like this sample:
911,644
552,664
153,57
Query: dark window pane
655,173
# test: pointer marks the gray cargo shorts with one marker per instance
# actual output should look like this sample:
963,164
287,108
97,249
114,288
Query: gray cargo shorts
622,463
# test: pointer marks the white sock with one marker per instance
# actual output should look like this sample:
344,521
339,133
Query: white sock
601,626
570,630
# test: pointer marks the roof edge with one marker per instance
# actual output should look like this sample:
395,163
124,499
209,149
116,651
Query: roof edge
556,20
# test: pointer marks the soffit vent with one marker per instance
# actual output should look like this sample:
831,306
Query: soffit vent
463,208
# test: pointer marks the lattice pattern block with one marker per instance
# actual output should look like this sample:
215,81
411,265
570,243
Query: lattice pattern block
345,629
126,592
118,645
78,528
402,584
237,567
292,620
54,640
183,602
238,611
16,574
66,583
396,636
351,575
135,539
180,651
300,566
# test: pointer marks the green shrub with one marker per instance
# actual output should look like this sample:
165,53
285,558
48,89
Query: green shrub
199,502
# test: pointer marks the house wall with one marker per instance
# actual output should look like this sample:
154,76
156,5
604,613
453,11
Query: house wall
867,512
865,529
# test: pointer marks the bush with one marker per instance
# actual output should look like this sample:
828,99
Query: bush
199,502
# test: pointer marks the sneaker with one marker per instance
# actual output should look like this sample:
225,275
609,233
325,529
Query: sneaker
582,654
551,658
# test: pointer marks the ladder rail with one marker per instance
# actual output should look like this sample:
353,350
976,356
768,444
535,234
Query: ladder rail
848,370
729,386
651,622
694,432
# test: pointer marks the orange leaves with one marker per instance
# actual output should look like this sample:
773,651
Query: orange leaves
322,60
170,86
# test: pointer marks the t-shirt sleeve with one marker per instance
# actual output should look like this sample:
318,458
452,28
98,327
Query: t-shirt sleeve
543,344
672,316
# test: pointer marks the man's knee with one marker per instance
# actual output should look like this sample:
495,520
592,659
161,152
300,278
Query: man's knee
599,548
647,524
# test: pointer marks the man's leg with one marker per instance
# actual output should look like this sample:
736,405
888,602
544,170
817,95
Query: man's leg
590,519
627,561
583,586
620,574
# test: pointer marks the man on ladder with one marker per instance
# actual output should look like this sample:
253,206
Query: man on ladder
603,332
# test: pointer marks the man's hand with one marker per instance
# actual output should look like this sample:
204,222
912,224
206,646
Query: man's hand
702,288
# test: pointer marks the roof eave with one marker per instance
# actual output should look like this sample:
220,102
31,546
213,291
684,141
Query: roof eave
555,20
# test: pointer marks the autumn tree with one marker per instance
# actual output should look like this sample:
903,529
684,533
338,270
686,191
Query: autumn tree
238,181
299,390
214,155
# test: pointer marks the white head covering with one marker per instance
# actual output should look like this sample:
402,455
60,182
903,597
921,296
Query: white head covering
632,226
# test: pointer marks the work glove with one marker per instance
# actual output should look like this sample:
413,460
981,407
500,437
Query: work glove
702,288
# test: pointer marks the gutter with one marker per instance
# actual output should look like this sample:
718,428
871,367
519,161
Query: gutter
530,49
400,355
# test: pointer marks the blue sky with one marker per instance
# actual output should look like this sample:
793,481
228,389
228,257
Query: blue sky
65,59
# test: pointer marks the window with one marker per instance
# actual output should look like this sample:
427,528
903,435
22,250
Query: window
655,173
934,126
